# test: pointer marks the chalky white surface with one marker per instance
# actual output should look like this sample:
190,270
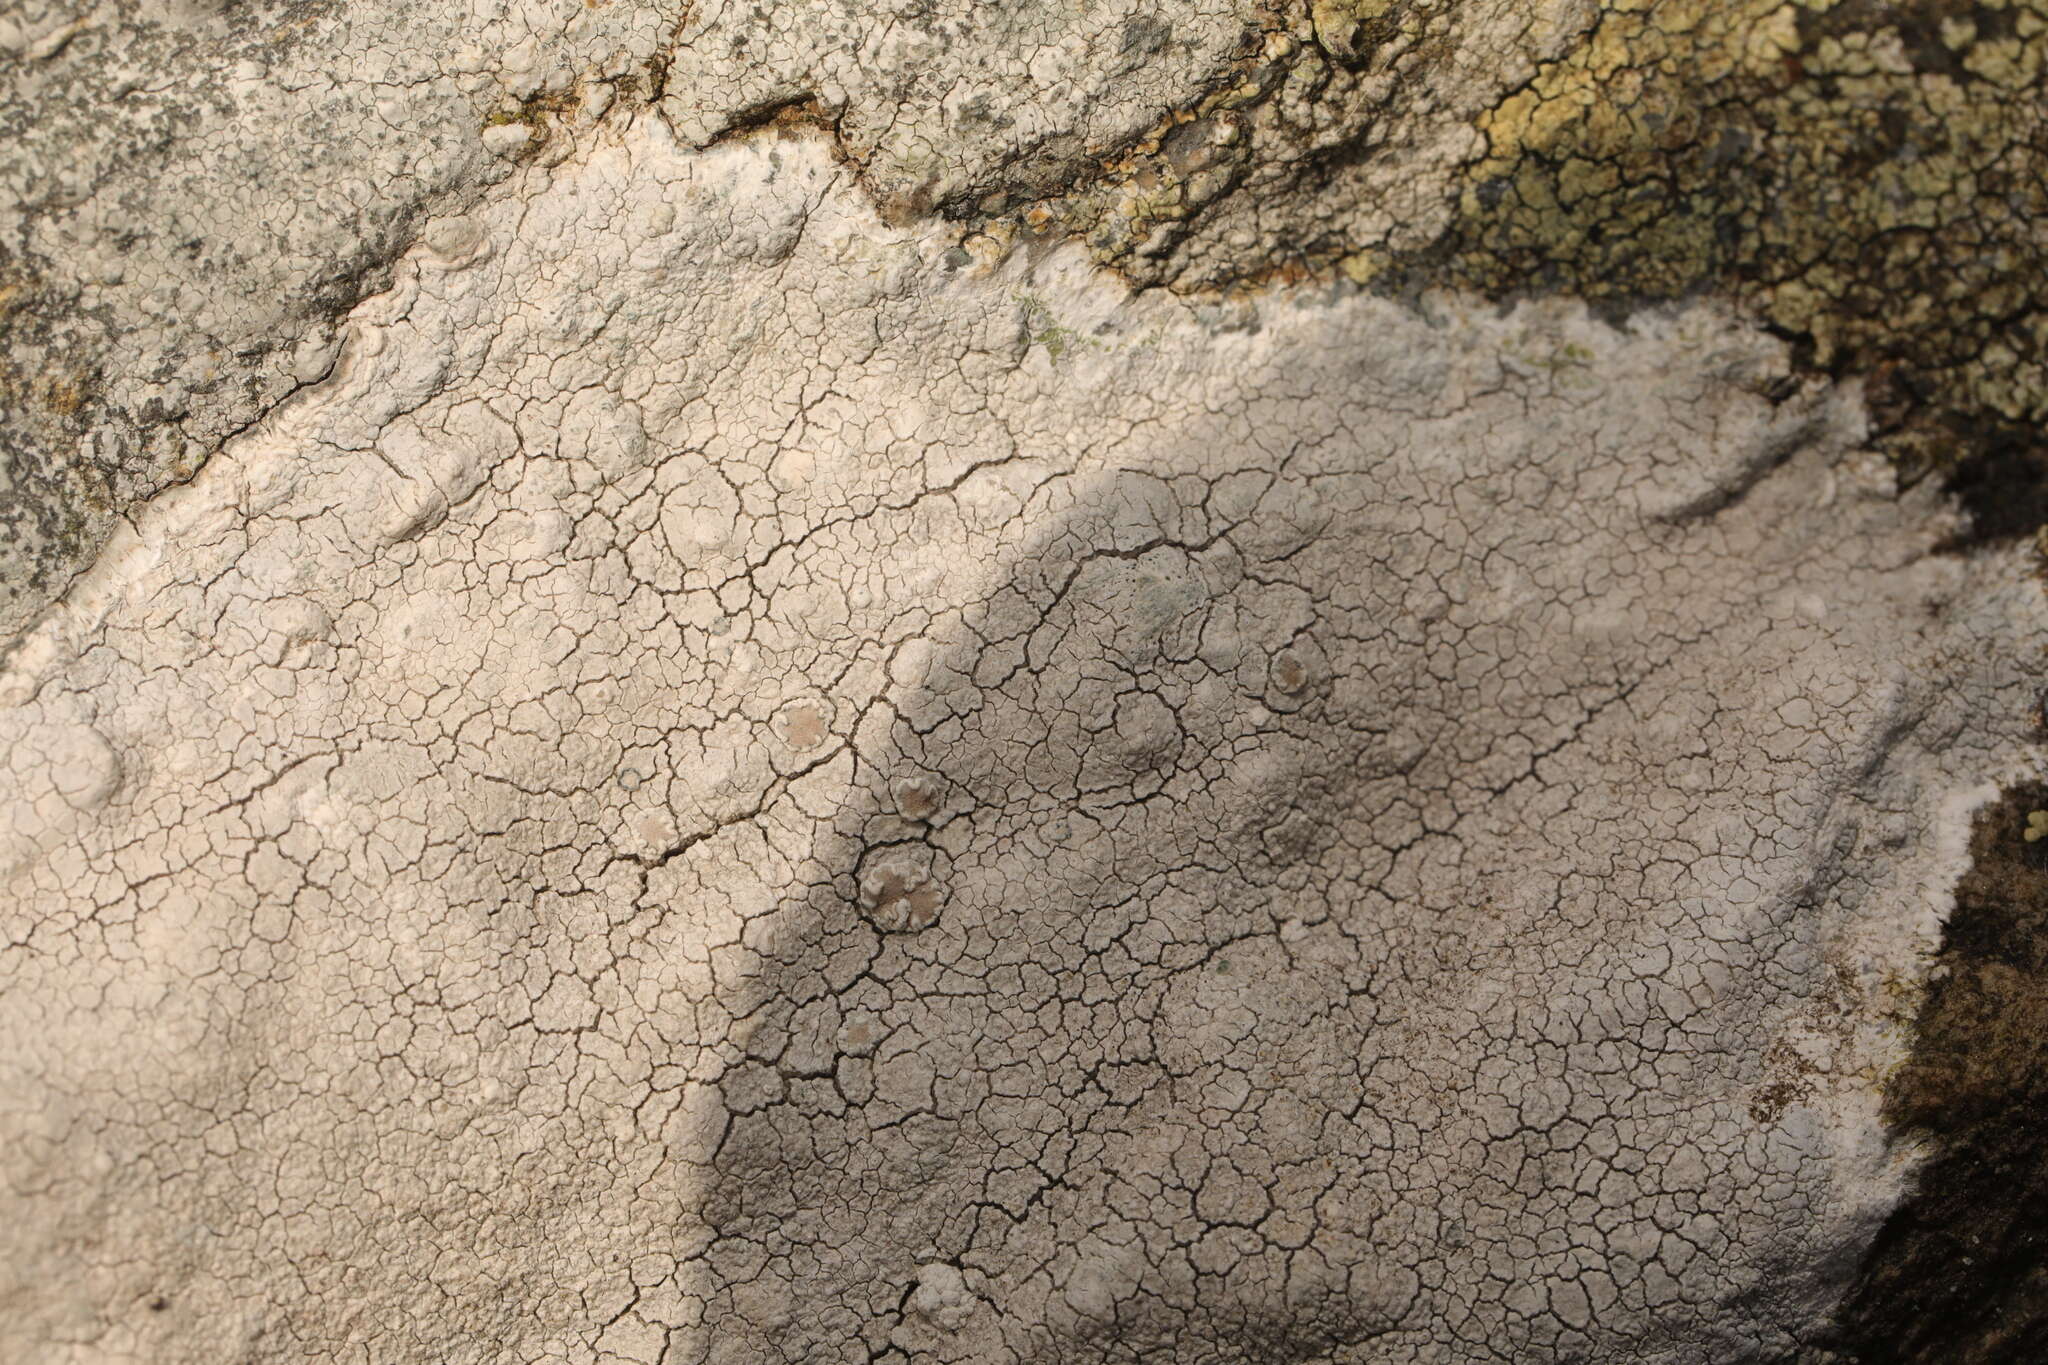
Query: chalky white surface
736,786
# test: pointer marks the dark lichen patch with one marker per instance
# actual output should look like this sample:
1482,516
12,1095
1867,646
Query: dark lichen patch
542,113
1983,1030
538,109
1959,1274
2003,484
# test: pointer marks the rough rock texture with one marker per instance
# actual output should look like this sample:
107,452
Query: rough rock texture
743,754
192,192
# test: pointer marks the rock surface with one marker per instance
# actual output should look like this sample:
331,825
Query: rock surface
703,738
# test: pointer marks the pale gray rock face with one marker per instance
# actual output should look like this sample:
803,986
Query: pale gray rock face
190,194
738,783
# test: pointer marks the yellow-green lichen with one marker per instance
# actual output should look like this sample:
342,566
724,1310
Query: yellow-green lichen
1867,176
1041,328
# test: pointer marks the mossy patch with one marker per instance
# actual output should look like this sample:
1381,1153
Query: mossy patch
1041,328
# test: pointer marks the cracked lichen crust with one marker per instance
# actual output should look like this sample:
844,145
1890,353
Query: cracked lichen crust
739,782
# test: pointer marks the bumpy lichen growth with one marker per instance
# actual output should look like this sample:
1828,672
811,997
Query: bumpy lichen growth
1867,175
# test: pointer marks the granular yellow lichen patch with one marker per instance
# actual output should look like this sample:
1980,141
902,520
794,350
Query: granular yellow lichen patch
1867,177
